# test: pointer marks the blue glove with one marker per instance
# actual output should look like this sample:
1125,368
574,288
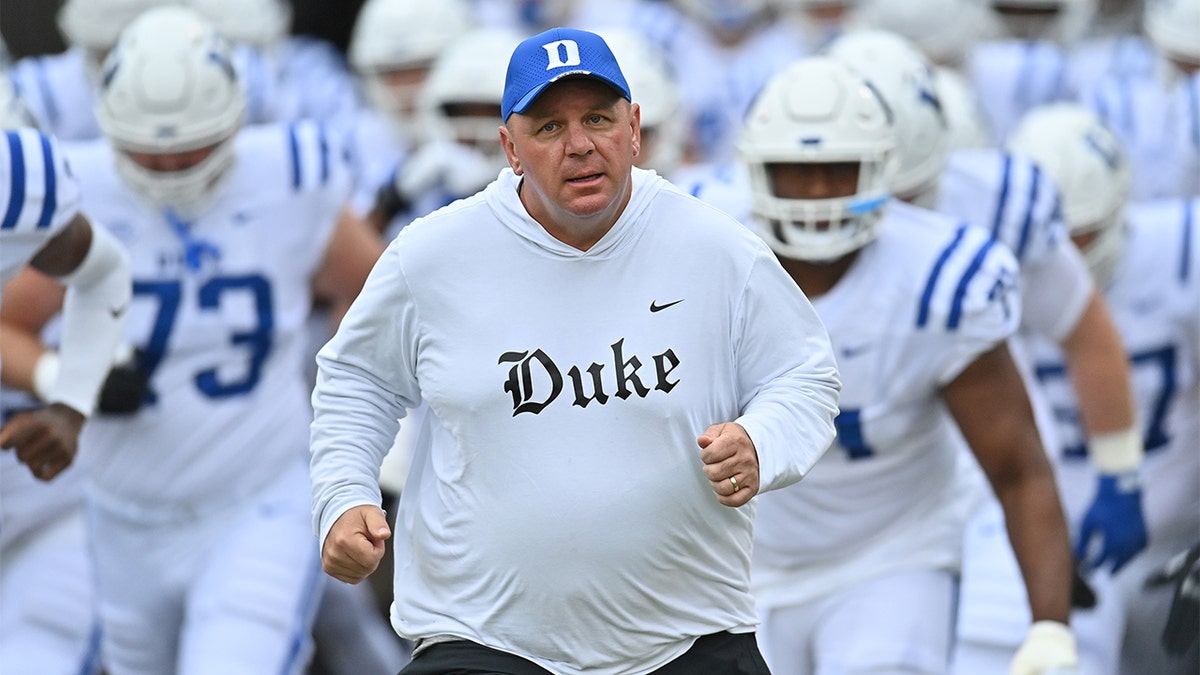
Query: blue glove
1115,516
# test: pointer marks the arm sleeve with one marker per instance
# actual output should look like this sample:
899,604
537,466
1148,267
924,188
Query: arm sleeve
366,380
94,313
1056,288
787,372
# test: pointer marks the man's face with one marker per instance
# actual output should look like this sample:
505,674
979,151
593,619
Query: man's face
574,147
167,162
814,181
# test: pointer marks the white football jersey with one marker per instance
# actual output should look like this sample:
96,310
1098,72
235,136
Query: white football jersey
375,149
1010,77
921,302
60,92
300,78
1095,59
725,186
1010,197
38,196
1154,297
1159,125
717,84
218,312
556,507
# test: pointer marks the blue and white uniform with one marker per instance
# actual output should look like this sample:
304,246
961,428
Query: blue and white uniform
886,506
556,508
1158,122
199,501
39,196
1010,77
60,92
1010,197
1154,297
47,602
1093,60
298,78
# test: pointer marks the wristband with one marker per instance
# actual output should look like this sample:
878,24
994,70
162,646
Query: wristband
45,375
1117,452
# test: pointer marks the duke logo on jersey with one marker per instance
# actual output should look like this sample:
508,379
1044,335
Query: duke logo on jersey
537,366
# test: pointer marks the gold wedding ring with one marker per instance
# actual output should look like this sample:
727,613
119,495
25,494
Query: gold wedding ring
734,483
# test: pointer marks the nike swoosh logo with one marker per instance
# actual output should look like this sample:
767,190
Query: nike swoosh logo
856,350
118,311
655,307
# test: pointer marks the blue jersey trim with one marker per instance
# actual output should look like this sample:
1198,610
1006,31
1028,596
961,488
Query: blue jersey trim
960,293
1125,100
931,283
50,203
1194,104
52,114
998,218
324,143
294,142
1027,225
1185,258
16,198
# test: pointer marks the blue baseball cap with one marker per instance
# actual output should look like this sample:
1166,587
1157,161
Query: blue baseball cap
548,57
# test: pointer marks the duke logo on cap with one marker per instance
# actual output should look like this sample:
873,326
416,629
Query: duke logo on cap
548,57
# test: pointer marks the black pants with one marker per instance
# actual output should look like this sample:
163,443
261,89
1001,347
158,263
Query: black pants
716,654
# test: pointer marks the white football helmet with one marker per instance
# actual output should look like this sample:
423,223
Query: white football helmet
470,72
169,86
958,25
261,23
391,36
904,77
1174,27
96,24
818,110
1091,171
1061,21
654,88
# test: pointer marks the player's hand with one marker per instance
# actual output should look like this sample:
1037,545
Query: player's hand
1182,629
1115,517
1048,648
46,439
730,462
442,165
355,544
125,387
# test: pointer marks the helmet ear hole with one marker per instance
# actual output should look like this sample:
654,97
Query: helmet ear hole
818,111
1088,165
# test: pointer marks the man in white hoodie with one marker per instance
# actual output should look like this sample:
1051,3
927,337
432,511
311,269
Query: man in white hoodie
613,371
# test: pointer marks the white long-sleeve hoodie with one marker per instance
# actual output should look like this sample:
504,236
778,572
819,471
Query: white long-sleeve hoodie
557,507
